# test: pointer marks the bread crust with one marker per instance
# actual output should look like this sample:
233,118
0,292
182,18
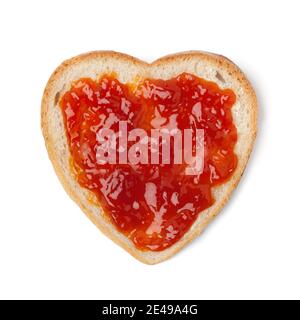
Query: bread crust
214,61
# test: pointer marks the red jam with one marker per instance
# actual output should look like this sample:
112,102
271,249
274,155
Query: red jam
153,205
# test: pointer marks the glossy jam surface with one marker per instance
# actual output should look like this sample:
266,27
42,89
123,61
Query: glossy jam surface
153,205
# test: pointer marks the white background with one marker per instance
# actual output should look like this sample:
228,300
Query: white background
49,249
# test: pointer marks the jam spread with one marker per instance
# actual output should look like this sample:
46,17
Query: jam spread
154,205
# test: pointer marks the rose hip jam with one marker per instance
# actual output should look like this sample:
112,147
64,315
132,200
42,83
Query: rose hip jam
154,205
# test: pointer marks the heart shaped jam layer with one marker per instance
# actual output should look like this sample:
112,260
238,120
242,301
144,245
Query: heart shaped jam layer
154,205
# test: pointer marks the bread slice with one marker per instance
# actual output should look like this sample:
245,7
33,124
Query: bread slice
128,69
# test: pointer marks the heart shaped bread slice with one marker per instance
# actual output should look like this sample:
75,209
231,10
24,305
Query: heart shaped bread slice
207,66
